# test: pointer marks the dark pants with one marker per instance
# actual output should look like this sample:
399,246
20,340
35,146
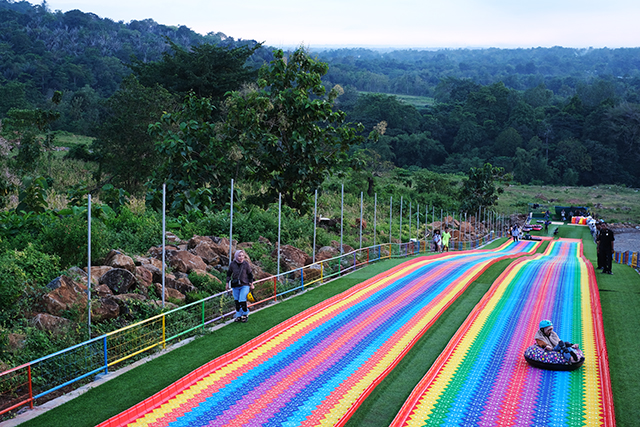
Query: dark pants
600,259
566,351
607,256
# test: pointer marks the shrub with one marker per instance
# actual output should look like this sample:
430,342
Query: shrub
134,233
206,284
20,268
67,237
12,281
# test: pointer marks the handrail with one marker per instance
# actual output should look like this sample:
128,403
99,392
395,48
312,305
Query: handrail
80,361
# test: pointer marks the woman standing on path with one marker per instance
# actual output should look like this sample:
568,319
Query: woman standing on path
240,280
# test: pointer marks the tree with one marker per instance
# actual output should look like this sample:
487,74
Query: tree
197,165
124,148
27,126
209,71
288,125
480,189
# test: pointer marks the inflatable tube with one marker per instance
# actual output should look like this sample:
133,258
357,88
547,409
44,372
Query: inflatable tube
551,360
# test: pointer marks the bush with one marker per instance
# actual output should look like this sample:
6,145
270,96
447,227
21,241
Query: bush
133,233
67,237
12,281
206,284
20,268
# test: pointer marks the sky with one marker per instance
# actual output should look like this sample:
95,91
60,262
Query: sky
428,24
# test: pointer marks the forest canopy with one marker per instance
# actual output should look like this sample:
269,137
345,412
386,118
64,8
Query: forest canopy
545,115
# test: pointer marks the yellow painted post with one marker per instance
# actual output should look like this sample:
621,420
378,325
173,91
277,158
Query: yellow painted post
164,332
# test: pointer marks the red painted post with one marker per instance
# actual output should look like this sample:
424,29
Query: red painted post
275,289
30,387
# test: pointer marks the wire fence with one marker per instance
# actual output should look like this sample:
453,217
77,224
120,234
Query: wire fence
76,365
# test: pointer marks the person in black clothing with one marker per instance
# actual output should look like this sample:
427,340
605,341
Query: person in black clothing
598,251
606,248
240,280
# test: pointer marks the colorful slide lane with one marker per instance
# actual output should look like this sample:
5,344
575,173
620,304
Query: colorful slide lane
482,379
317,367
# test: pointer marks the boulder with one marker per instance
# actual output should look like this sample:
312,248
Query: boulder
156,273
78,275
15,342
172,238
312,273
66,295
258,273
357,224
326,252
182,284
117,259
292,258
345,248
97,272
184,261
156,252
205,249
170,293
103,291
47,322
105,308
264,241
144,276
466,227
124,298
119,280
141,261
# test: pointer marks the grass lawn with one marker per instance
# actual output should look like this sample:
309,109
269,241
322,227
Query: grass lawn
620,296
612,202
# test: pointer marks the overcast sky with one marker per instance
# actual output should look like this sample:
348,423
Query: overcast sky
390,23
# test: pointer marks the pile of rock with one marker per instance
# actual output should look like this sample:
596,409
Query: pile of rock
122,279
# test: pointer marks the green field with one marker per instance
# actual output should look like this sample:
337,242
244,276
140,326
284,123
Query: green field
611,202
620,299
417,101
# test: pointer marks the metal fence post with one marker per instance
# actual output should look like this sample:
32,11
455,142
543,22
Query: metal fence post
279,229
315,223
401,197
164,237
231,227
361,196
341,219
375,216
89,261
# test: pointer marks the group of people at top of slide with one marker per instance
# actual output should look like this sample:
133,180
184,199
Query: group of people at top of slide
441,241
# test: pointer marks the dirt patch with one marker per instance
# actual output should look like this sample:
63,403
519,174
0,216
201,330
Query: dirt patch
627,240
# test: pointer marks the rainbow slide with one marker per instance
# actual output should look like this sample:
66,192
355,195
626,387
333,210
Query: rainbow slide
317,367
482,379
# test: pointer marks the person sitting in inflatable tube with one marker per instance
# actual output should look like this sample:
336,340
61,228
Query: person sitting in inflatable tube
550,352
547,339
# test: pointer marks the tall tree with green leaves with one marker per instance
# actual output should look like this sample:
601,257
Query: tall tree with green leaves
289,127
124,148
480,188
207,70
196,164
